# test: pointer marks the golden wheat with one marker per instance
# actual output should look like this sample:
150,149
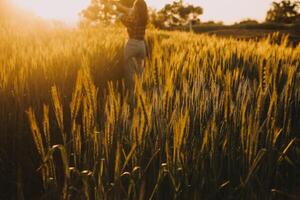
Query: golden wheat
210,116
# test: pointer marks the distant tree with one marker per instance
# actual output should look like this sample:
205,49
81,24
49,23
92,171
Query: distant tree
219,23
286,11
248,21
176,14
97,12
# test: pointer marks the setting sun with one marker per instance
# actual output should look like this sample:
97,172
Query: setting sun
66,10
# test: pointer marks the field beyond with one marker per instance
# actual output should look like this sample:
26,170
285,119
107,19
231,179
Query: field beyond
213,118
252,31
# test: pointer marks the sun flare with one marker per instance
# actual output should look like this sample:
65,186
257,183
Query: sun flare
66,10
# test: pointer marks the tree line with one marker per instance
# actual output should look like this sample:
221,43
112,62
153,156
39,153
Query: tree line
178,13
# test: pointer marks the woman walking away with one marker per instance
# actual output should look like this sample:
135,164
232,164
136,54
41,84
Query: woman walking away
135,19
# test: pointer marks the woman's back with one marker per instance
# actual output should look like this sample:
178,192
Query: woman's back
136,21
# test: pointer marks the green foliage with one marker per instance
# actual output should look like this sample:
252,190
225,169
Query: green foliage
177,14
97,12
213,23
286,11
248,21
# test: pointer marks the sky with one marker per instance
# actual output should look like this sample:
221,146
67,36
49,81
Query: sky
64,10
228,11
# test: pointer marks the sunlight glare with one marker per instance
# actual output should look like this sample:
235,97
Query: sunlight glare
66,10
228,11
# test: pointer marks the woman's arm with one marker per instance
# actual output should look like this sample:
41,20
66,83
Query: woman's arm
109,6
122,8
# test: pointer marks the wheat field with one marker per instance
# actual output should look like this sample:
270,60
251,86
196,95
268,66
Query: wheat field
211,118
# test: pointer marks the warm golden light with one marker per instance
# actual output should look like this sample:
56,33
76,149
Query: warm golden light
228,11
66,10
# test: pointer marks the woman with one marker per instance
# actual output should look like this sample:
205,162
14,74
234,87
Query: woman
135,19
